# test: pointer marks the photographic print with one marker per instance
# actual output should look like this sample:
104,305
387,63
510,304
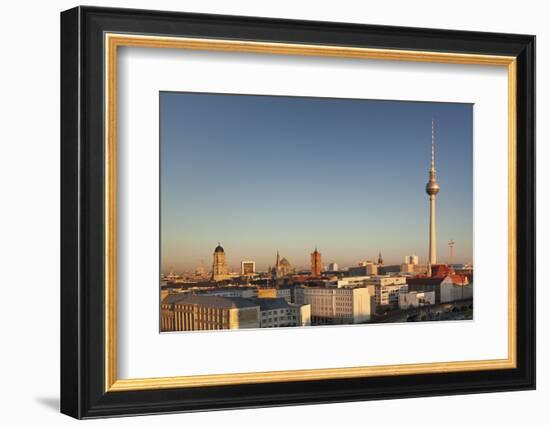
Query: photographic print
283,211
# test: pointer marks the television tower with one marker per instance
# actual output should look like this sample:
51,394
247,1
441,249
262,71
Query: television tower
432,189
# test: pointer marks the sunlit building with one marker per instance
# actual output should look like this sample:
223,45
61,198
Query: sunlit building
337,305
278,313
282,267
248,267
316,266
275,293
365,268
446,288
219,266
182,312
416,299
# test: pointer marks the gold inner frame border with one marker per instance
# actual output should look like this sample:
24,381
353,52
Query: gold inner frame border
113,40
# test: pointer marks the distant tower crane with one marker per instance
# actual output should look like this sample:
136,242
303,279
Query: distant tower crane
452,252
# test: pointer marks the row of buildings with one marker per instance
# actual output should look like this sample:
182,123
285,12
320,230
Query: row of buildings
218,310
346,300
187,312
281,268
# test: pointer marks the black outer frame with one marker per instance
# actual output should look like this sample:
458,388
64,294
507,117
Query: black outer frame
82,219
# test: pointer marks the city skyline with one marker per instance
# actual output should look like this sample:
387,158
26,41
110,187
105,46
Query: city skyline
345,175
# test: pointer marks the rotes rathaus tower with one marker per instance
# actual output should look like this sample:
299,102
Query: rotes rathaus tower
432,189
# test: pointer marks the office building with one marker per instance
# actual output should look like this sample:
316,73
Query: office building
275,293
219,266
248,267
182,312
337,305
411,259
365,268
278,313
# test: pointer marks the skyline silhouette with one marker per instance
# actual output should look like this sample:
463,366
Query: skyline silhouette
267,173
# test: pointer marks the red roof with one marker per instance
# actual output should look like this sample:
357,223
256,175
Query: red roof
424,280
441,270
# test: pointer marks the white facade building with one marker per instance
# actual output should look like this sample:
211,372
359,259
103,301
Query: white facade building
337,305
454,292
248,267
353,281
385,289
333,267
416,299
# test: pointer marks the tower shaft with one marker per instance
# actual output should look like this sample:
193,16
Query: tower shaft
432,189
432,256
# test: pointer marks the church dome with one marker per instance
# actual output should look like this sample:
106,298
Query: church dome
284,263
219,249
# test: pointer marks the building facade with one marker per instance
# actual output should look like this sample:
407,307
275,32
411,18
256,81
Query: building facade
219,265
248,267
182,312
447,288
384,289
365,268
455,289
337,305
285,293
278,313
416,299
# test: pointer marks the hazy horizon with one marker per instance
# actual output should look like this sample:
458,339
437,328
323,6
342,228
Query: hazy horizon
265,173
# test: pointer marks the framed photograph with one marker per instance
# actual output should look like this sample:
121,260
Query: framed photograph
261,212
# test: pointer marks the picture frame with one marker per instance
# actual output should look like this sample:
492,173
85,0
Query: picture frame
90,40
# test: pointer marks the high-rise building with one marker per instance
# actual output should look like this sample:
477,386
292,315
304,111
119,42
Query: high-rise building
432,189
219,266
248,267
337,305
411,259
316,263
333,267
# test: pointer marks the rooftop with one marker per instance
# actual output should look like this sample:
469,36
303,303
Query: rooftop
209,301
271,303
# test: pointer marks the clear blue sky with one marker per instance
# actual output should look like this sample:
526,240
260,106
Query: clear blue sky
261,173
